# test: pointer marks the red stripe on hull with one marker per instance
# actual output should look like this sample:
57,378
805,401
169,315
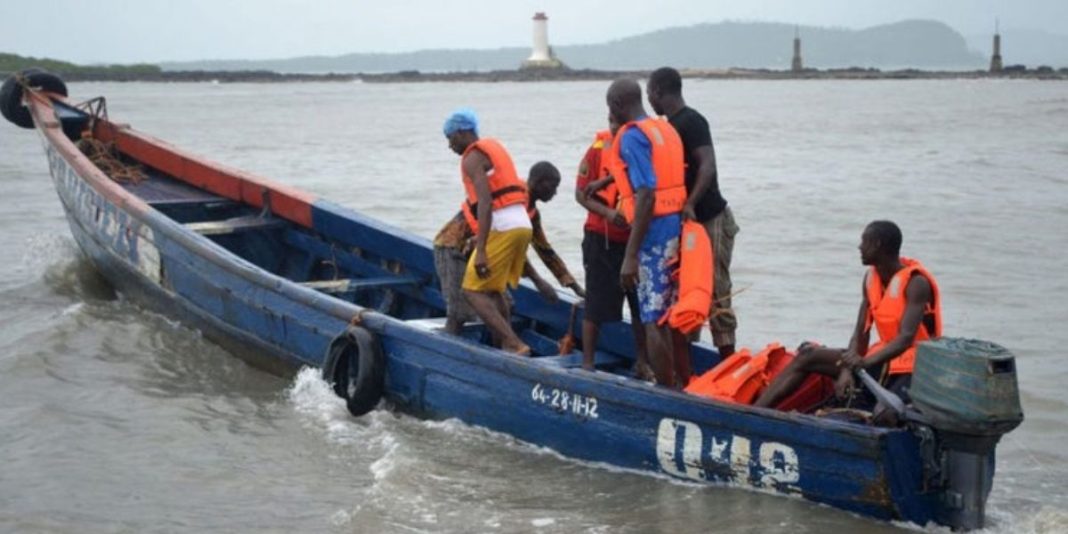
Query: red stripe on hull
286,202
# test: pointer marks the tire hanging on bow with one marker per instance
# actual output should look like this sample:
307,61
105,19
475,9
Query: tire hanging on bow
356,368
11,93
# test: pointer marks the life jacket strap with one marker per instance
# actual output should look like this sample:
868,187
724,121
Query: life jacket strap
473,206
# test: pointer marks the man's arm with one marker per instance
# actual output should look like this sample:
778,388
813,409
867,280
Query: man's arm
917,295
705,156
586,186
550,258
853,356
475,165
596,185
637,154
643,214
545,289
594,205
858,342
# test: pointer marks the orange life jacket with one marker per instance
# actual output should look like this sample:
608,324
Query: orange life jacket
608,194
695,275
741,377
668,165
887,307
505,186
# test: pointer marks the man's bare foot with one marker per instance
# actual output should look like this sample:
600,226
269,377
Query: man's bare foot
642,371
519,349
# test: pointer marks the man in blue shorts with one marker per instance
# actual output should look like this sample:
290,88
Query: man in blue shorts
647,164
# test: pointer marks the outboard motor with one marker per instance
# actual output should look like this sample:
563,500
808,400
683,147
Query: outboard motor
966,395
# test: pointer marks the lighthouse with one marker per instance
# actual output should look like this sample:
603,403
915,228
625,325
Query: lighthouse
796,65
541,38
541,56
995,59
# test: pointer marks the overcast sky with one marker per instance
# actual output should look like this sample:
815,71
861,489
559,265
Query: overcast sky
125,31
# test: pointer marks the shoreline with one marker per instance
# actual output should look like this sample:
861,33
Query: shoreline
553,75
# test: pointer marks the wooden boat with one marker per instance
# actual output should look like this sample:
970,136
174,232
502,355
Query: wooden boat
283,278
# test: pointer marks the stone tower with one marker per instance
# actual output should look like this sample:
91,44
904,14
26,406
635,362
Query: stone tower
995,60
796,65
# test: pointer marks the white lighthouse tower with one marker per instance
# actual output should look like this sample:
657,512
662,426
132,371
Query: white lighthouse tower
541,57
541,38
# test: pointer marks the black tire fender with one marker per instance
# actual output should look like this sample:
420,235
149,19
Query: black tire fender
356,369
11,94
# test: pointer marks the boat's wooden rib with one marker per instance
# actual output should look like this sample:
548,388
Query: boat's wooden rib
348,285
236,224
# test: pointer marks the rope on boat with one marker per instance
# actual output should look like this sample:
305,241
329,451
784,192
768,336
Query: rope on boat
357,320
105,157
20,79
720,311
102,154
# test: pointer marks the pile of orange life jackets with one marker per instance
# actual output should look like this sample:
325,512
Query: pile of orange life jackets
741,377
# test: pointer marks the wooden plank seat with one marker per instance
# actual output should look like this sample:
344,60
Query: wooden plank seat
161,190
348,285
365,268
236,224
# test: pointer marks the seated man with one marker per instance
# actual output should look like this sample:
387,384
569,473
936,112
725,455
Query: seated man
900,298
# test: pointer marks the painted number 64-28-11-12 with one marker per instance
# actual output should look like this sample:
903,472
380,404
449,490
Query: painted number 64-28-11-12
564,401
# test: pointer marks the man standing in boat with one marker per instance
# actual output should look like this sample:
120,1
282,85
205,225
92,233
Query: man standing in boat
496,209
646,162
604,243
704,202
454,242
900,298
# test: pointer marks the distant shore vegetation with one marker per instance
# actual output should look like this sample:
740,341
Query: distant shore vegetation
12,63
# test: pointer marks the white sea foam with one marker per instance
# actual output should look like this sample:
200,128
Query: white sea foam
313,398
341,518
73,309
383,466
1045,520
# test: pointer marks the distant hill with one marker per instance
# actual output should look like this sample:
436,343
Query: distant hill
912,43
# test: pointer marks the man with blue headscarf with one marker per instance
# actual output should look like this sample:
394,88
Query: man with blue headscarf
495,210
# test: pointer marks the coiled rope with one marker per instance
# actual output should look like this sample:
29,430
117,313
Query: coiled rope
104,156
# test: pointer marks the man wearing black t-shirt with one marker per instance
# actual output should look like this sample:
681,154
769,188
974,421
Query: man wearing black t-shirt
704,201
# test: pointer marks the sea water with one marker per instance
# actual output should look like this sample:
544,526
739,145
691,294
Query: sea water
114,419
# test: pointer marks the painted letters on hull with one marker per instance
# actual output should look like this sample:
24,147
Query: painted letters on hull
125,236
686,451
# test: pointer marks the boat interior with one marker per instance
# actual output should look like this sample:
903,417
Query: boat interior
367,277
